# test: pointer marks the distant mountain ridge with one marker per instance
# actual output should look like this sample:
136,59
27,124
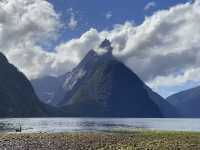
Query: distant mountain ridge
46,87
187,102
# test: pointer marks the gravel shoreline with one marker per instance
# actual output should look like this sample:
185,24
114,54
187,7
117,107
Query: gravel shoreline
101,141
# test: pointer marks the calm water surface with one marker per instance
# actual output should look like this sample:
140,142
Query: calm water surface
50,125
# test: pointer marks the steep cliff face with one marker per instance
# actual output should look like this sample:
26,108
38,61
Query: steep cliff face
17,97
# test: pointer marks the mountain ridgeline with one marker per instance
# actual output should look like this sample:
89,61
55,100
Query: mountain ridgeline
17,97
187,102
102,86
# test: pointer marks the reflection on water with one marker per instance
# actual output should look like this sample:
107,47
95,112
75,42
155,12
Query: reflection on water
96,124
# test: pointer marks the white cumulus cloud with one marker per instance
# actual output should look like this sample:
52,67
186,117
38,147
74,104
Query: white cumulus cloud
164,50
25,24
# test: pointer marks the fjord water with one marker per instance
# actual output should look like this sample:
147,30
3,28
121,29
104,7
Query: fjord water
53,125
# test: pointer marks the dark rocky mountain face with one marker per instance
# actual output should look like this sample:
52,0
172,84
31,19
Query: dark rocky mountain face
187,102
167,109
106,45
101,86
111,90
17,97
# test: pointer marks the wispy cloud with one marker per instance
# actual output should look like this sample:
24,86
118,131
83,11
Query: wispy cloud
108,15
72,21
150,5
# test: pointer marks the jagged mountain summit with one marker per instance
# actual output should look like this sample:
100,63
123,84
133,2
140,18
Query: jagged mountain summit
102,86
46,87
106,45
17,97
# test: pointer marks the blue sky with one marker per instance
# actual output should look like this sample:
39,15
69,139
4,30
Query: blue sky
92,13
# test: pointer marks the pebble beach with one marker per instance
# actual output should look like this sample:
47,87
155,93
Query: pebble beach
148,140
